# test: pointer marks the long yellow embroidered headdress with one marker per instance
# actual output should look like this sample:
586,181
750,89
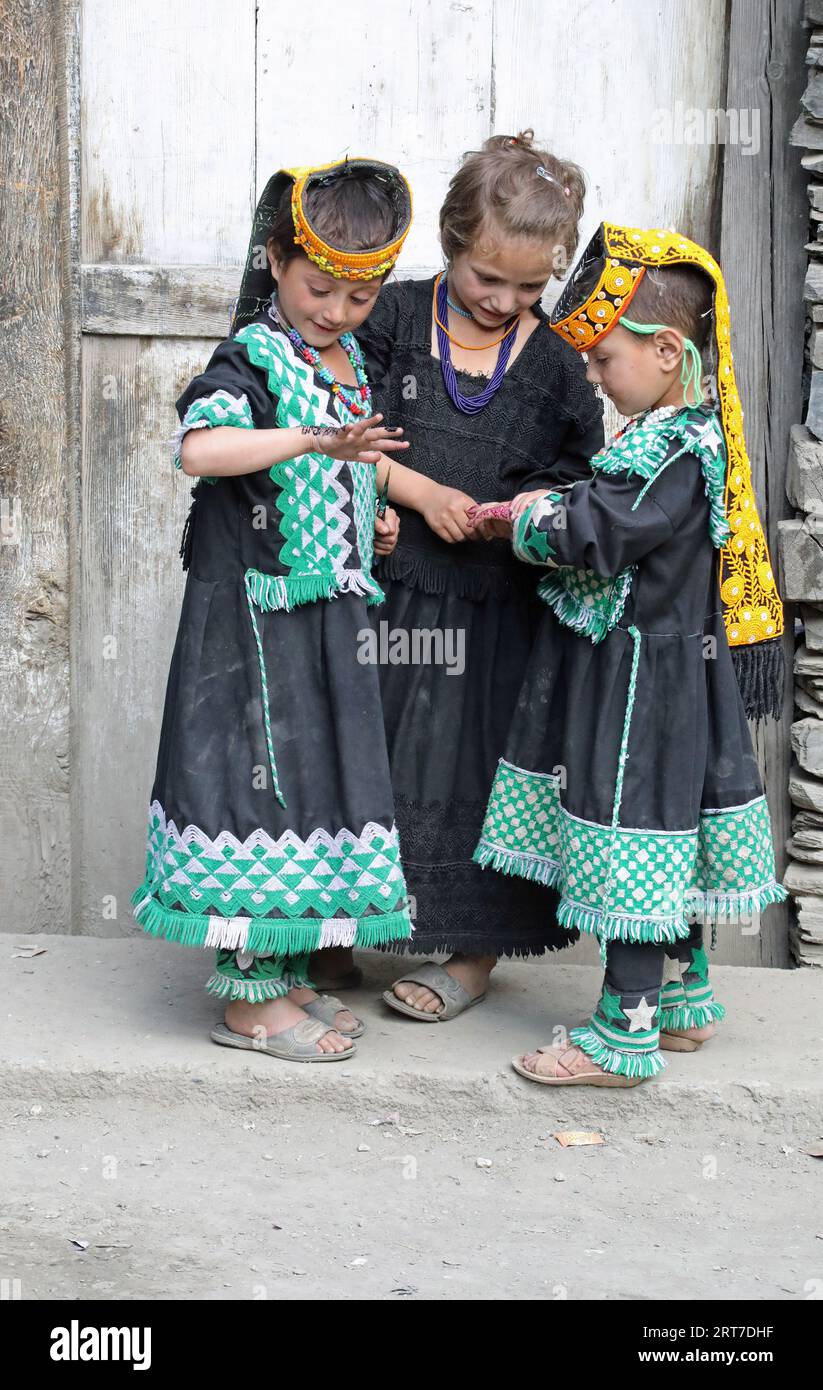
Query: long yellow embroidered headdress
599,291
340,261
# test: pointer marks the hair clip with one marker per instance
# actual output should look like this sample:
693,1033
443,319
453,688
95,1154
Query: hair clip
544,174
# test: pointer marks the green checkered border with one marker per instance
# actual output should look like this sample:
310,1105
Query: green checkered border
657,879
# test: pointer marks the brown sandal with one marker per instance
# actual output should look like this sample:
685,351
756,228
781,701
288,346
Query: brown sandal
581,1078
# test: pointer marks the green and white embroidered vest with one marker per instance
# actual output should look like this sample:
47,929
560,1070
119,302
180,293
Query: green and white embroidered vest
582,600
326,506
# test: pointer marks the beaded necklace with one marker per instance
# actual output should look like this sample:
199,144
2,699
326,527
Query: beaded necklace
469,405
464,313
646,417
357,398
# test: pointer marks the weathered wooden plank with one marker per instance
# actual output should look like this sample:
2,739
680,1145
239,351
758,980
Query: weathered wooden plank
134,505
613,91
185,301
764,221
35,860
412,84
168,130
179,301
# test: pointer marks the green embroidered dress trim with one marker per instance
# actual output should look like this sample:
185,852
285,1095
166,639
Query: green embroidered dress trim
623,1041
645,1060
313,504
623,883
530,541
583,601
287,896
240,975
312,498
687,998
692,1009
588,603
207,412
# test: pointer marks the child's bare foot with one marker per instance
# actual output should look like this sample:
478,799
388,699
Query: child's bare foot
472,972
333,968
686,1039
274,1016
344,1019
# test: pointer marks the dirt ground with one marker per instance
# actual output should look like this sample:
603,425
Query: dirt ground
274,1201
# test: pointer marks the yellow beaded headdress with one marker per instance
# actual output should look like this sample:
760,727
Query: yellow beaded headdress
340,261
599,291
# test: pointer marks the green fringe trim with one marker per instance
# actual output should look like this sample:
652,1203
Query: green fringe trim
277,593
282,936
253,991
509,861
618,1063
708,905
614,927
686,1016
587,621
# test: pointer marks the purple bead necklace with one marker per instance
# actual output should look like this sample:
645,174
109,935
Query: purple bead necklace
470,405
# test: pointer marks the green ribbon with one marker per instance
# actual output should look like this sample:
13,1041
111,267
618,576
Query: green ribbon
691,370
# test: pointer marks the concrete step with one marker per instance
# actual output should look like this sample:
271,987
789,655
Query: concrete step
129,1016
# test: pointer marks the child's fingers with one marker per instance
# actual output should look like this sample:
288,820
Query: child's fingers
367,456
452,529
389,446
370,424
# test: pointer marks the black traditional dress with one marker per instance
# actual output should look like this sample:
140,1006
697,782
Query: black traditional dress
629,781
271,827
447,717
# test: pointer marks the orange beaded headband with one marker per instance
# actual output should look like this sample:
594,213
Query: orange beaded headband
616,259
343,264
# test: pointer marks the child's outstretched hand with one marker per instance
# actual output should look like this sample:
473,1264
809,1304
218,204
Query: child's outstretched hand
386,532
362,442
524,500
445,512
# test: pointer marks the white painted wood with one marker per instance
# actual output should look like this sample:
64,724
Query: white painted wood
409,82
599,83
168,130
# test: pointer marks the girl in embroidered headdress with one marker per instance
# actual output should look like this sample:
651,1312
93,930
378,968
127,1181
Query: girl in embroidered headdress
271,829
629,781
492,402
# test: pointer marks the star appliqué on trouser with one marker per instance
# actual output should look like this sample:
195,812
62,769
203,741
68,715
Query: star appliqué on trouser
641,1018
700,963
610,1006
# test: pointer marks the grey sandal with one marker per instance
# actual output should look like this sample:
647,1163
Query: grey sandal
326,1007
432,976
295,1044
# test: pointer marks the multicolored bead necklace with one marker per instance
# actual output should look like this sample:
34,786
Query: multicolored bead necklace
357,398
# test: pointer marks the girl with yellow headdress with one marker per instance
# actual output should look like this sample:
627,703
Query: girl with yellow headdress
630,781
